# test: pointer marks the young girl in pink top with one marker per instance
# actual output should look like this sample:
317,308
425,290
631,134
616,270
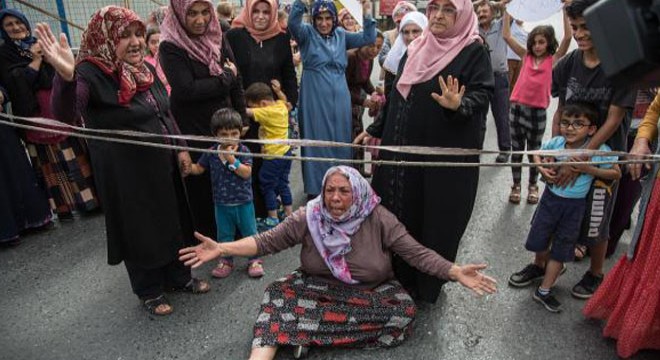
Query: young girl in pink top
531,96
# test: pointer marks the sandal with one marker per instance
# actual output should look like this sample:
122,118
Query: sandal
158,306
580,252
514,196
194,286
533,194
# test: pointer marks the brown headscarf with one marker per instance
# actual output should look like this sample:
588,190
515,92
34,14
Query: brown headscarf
98,46
244,20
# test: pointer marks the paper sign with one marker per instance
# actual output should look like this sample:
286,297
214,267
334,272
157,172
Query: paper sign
533,10
354,7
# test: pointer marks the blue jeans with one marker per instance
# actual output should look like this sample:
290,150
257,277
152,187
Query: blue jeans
274,181
500,107
228,218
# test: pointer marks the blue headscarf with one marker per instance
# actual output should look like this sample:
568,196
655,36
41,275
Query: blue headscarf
325,5
22,44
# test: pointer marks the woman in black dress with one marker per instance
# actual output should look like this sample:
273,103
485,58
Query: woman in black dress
441,91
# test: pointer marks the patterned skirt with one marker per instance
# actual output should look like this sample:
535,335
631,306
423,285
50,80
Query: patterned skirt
66,172
301,310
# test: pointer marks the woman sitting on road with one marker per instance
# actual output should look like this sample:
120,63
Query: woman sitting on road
348,240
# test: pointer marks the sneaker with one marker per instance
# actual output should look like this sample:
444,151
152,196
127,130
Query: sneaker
223,269
502,158
256,268
548,301
525,276
586,288
271,222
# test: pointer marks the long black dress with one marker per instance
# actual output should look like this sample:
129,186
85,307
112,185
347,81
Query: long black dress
435,204
195,97
24,204
146,212
262,62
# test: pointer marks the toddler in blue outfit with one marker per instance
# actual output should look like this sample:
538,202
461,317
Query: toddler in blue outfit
231,178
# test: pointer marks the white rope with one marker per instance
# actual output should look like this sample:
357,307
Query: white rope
416,150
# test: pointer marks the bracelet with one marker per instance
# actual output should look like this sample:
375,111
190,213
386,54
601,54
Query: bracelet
235,165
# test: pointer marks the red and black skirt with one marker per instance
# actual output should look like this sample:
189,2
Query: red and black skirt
302,310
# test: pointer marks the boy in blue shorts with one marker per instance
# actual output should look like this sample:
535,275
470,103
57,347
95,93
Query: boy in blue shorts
273,118
231,178
558,219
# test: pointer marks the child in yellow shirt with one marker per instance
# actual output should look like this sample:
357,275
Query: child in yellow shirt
273,118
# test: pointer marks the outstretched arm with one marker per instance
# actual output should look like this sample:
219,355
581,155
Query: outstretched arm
565,41
208,250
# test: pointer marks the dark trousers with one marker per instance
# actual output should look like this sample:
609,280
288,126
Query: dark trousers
274,181
500,108
151,283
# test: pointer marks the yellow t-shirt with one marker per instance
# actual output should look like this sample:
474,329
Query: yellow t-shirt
274,121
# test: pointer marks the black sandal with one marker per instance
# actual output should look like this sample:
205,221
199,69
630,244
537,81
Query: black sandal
580,252
152,305
195,286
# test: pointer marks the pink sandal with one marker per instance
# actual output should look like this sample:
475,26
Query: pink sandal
256,268
223,269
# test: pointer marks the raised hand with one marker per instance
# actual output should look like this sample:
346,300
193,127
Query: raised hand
56,52
275,84
366,7
452,93
470,277
196,256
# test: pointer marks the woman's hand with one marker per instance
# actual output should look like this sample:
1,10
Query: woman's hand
366,8
185,163
363,138
56,53
230,65
470,277
196,256
640,148
452,93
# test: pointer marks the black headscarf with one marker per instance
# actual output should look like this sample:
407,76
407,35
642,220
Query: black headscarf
15,56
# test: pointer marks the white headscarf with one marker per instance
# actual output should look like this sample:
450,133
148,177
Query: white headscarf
399,48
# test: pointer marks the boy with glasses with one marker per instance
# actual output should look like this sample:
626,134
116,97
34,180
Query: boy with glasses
558,219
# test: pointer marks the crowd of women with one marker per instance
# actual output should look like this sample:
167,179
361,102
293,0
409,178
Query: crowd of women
369,250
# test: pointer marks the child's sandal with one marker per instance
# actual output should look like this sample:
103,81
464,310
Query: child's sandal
533,194
158,306
514,196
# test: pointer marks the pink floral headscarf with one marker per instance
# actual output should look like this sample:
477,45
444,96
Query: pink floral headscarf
332,237
204,48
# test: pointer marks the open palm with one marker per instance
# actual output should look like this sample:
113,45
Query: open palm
196,256
452,93
56,52
473,279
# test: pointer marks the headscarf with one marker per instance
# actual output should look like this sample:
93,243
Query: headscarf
22,46
204,48
342,14
99,44
244,20
429,54
325,5
401,9
399,48
332,237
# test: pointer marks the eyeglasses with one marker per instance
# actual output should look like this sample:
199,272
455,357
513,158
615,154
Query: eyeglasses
445,10
577,125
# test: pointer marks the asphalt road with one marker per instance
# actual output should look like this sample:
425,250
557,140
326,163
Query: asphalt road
61,300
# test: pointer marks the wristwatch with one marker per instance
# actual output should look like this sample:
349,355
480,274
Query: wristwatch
234,166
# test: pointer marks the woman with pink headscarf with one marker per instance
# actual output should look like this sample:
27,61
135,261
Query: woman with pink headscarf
263,53
441,92
200,69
